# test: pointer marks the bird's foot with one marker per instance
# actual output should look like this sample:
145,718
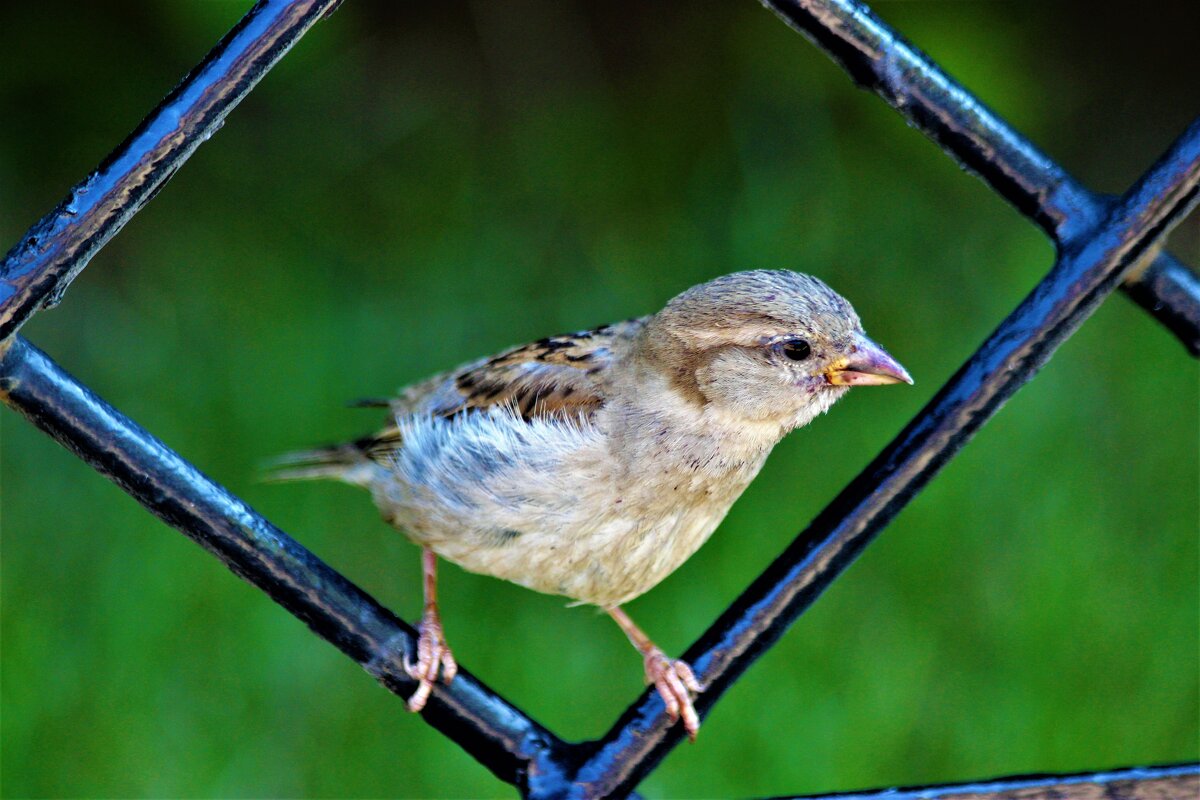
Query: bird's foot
433,654
676,683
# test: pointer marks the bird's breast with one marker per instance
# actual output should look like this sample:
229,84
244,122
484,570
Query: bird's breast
554,506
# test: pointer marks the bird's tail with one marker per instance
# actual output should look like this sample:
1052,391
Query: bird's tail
350,462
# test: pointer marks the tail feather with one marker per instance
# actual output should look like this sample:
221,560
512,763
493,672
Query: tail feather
348,462
370,402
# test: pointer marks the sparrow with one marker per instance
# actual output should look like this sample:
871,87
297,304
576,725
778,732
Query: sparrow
593,464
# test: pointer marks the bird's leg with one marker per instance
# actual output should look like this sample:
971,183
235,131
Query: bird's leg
673,678
432,651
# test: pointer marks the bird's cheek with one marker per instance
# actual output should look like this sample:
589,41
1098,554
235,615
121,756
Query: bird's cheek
808,385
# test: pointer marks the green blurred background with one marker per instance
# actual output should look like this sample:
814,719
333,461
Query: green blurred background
419,184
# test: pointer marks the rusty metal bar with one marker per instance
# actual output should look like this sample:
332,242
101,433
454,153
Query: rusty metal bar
879,59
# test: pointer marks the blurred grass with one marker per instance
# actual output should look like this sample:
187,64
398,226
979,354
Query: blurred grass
417,185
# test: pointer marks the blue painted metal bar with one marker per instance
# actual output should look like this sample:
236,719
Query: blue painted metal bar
1136,783
496,733
36,271
1092,265
1099,242
879,59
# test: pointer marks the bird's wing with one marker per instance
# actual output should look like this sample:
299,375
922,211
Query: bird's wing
557,376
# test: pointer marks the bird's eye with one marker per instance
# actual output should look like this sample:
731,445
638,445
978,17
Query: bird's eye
795,349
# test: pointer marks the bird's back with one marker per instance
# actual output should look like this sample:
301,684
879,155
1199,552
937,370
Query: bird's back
558,377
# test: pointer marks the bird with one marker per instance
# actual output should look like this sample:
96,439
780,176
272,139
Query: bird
592,464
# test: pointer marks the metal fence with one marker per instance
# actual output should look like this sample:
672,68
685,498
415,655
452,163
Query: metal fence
1102,243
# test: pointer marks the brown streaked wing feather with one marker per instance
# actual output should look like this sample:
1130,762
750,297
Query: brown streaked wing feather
552,376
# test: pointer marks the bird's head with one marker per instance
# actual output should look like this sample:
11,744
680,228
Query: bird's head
765,346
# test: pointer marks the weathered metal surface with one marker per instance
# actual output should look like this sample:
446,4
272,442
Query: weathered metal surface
36,271
1100,241
496,733
879,59
1180,782
1090,269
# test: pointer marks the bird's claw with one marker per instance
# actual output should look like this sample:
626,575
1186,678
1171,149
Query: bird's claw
433,654
676,683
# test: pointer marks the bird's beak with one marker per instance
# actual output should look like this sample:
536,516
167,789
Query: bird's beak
868,365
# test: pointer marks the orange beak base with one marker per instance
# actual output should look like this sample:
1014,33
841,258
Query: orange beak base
869,365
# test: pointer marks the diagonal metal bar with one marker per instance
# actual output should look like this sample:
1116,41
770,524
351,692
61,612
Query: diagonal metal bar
879,59
1171,292
1092,264
1136,783
496,733
36,271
